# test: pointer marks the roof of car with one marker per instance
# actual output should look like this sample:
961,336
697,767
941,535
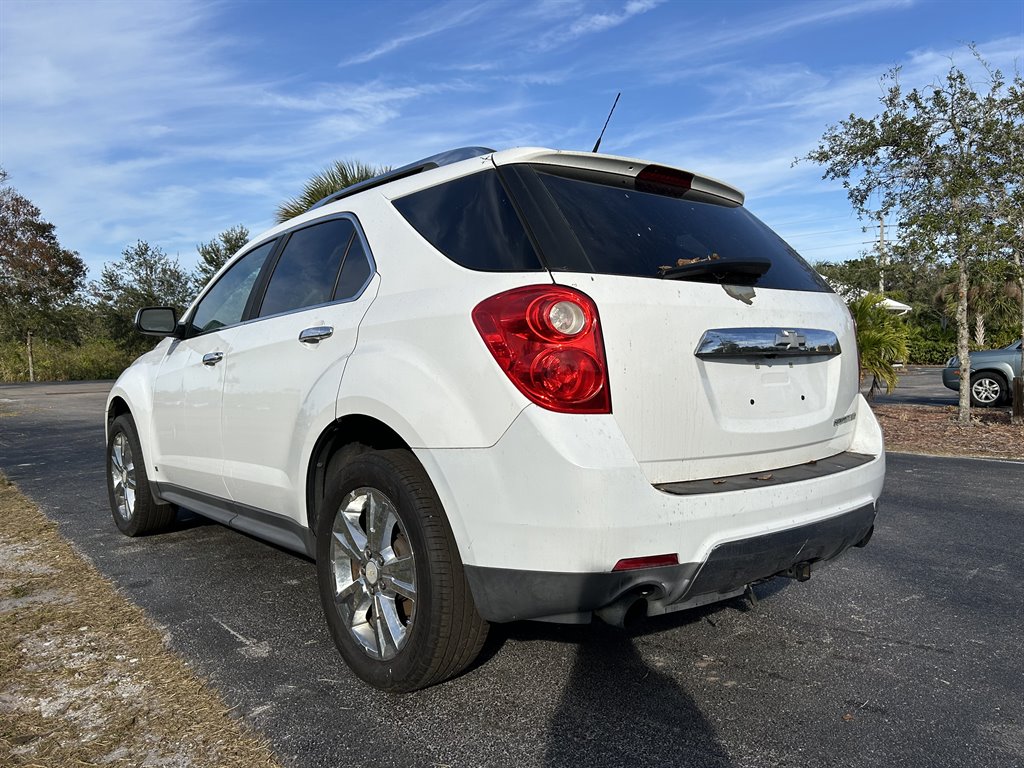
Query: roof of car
426,164
465,160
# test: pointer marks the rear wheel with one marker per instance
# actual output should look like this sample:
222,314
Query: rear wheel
391,581
132,504
987,389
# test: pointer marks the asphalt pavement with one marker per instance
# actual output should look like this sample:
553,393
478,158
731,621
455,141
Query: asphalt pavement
904,653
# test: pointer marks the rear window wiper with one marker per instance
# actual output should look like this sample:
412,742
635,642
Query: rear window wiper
717,268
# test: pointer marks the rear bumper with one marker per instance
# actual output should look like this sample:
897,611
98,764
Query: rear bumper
951,378
542,517
503,594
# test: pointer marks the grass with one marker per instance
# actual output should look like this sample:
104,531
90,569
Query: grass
85,677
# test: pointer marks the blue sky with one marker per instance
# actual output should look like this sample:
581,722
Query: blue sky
171,121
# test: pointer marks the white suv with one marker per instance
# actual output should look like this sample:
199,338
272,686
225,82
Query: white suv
493,386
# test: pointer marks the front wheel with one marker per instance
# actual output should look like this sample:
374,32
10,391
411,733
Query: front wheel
987,389
135,510
391,581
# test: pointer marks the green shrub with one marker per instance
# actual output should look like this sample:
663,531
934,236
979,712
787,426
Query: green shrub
63,361
923,351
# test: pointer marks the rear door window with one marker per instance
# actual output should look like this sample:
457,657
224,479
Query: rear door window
355,272
307,271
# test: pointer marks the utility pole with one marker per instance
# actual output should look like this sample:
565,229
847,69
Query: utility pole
882,262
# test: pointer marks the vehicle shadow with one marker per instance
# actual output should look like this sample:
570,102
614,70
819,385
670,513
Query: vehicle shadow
619,709
623,707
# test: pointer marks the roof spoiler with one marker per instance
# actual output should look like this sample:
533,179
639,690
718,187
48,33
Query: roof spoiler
426,164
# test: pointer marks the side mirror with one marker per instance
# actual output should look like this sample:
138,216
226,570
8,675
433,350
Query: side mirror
157,321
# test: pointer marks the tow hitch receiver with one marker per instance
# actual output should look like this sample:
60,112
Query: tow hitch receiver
799,571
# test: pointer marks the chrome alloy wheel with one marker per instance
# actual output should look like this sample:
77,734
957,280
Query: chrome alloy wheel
986,390
122,475
374,572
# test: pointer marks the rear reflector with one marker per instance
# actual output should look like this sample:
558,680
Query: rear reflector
649,561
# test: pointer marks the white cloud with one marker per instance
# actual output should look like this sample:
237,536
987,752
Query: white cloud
599,22
586,23
438,20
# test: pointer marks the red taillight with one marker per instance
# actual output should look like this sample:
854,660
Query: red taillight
649,561
547,339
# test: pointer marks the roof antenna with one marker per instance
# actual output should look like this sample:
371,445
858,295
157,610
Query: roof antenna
598,144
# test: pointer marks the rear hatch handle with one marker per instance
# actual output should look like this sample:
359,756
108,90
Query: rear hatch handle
719,343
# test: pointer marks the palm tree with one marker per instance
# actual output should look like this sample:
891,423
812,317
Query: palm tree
881,341
335,177
993,298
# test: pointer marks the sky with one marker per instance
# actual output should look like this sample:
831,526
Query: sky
171,121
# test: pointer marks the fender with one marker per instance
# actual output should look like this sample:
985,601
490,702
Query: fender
135,387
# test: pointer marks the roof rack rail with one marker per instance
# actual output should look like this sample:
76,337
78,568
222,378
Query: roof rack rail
426,164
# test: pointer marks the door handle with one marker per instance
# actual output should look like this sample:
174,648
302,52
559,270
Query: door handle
316,334
212,358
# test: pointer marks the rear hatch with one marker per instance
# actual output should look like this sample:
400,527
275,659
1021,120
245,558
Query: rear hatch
727,353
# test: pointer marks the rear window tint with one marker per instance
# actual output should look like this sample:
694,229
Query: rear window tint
625,232
307,271
354,273
472,221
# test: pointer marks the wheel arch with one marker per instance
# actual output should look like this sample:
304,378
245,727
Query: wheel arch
356,431
1004,373
116,407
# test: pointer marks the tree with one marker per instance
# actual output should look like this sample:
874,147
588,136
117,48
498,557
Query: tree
40,281
1006,164
145,276
850,277
881,341
993,299
214,254
343,173
930,159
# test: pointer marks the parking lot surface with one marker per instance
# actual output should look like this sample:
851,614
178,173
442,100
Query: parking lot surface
904,653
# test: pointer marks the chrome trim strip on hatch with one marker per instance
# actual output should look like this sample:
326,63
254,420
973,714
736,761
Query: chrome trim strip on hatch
767,342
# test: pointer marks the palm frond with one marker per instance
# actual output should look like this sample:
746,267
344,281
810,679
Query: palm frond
335,177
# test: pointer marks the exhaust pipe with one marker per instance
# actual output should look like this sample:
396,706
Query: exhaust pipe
624,612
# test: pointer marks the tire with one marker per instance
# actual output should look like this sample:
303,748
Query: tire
132,505
987,389
392,585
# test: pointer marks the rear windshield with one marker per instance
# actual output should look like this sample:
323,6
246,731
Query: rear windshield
579,221
622,231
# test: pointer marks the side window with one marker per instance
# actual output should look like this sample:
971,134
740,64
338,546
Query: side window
471,221
225,303
307,271
354,273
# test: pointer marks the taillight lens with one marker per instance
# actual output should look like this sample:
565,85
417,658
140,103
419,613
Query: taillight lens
547,340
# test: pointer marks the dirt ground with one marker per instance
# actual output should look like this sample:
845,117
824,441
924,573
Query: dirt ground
935,430
85,677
